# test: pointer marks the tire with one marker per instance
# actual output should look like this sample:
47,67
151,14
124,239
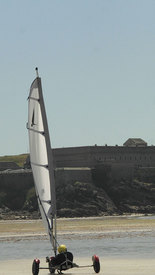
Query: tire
51,269
35,267
96,263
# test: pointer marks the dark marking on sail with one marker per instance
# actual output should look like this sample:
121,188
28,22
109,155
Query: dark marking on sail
50,214
32,123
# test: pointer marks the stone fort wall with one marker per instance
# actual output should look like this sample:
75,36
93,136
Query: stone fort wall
76,163
90,156
124,162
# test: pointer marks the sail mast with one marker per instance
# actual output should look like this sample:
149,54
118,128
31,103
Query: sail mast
50,165
37,73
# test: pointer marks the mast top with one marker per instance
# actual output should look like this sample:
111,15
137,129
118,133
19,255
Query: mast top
37,74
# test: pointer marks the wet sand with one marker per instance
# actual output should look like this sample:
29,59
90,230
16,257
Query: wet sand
108,267
102,227
77,226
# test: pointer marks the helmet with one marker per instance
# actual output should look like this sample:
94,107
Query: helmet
62,248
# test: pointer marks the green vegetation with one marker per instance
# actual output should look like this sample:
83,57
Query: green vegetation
19,159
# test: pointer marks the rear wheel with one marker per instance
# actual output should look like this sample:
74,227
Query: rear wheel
35,267
51,269
96,263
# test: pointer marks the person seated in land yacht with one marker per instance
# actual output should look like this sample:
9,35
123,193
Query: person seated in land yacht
64,258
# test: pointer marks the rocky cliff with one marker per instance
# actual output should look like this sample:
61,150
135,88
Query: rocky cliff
98,195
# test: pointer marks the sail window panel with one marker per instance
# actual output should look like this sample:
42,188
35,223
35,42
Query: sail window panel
41,178
39,120
35,120
38,149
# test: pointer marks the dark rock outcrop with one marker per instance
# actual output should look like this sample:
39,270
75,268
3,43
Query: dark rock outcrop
133,197
102,196
83,199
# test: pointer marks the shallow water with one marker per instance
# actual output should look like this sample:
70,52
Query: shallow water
113,247
134,244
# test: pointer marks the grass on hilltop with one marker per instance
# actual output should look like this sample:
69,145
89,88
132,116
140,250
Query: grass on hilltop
19,159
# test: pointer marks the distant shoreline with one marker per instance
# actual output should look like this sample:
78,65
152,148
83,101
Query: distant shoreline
75,227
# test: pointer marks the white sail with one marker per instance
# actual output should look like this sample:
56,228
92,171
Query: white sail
41,159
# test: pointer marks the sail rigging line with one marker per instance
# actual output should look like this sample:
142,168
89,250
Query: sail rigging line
50,228
50,231
43,210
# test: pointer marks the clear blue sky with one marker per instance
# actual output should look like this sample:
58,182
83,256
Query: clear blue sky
96,59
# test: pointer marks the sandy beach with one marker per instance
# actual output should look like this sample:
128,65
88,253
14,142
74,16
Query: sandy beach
110,231
108,267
